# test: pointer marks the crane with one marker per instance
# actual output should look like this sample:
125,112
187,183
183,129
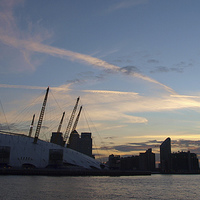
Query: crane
70,121
61,121
31,127
37,132
76,121
56,137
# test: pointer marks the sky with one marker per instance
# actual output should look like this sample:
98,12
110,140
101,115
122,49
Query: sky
134,64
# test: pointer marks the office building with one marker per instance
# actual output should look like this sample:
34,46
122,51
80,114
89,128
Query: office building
81,144
147,161
114,162
130,163
165,156
184,162
86,144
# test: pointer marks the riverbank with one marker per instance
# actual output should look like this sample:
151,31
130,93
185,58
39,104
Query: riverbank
66,172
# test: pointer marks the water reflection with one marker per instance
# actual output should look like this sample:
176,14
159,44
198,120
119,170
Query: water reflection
75,188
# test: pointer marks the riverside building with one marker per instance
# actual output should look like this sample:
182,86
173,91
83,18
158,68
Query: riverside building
165,155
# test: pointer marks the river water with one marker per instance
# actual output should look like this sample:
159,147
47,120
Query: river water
92,188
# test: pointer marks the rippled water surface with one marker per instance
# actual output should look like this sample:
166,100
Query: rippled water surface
133,187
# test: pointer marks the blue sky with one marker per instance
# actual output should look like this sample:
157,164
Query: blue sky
134,63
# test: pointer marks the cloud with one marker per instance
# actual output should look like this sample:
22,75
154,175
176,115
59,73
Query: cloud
10,35
160,69
125,4
155,141
110,138
14,127
167,69
4,126
60,88
27,61
53,51
22,87
91,75
185,96
177,145
186,143
104,110
153,61
104,105
179,68
156,104
130,147
110,92
107,114
130,70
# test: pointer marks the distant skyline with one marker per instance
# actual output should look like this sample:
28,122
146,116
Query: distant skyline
134,64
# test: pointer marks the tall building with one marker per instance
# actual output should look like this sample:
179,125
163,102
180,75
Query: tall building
81,144
57,138
147,160
165,155
114,161
74,141
130,163
86,144
144,162
184,162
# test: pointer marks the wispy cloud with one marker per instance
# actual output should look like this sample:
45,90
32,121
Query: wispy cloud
179,68
126,4
131,148
32,32
105,104
60,88
110,92
22,87
10,35
167,69
74,56
152,61
106,114
185,96
154,138
130,69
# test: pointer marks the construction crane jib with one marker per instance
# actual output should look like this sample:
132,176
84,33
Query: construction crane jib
37,132
76,121
31,126
70,121
61,121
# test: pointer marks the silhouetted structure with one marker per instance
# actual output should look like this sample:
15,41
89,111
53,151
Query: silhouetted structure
130,163
181,162
143,162
55,157
86,144
114,162
165,156
147,161
4,155
57,138
184,162
81,144
73,142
